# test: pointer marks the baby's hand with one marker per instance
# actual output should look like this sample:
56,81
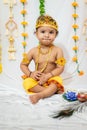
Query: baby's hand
36,75
43,79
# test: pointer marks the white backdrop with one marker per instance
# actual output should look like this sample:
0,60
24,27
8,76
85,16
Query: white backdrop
16,111
62,11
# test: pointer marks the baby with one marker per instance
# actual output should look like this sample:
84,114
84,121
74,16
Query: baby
49,61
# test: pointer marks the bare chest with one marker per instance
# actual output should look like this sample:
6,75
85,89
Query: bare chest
44,58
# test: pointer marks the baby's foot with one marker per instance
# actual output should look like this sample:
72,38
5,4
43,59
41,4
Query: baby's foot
35,98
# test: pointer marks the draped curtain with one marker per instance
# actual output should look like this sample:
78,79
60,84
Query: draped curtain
62,11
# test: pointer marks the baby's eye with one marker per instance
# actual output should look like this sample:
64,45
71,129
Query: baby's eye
43,31
51,32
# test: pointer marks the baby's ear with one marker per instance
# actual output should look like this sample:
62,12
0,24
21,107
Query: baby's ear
57,32
35,32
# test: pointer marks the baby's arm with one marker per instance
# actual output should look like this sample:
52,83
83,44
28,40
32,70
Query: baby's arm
59,67
25,65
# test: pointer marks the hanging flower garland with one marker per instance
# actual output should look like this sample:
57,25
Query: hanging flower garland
75,36
11,29
0,56
24,34
42,7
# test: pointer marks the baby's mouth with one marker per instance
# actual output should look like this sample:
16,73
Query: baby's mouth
46,39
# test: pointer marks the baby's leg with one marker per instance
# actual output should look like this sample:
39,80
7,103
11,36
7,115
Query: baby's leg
47,92
37,89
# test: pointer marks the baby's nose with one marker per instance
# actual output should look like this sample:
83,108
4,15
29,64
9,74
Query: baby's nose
47,34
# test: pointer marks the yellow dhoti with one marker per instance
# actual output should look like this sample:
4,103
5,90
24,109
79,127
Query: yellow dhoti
29,83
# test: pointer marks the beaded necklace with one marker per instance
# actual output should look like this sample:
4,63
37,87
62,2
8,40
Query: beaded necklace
46,63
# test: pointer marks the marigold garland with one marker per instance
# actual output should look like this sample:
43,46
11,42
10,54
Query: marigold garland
23,12
24,34
74,4
75,16
75,26
23,1
24,23
75,37
75,59
75,48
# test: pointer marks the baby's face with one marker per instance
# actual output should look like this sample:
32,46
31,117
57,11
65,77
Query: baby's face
46,35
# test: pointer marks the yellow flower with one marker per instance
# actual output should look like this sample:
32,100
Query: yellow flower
0,67
75,26
81,73
23,1
74,59
24,34
75,37
24,23
75,48
61,61
24,43
74,15
23,11
24,76
74,4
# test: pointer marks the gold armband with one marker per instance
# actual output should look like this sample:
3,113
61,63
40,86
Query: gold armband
61,61
25,59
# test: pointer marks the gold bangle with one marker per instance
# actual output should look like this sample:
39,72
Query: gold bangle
30,73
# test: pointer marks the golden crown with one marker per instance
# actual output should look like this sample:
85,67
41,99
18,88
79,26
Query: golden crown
45,20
